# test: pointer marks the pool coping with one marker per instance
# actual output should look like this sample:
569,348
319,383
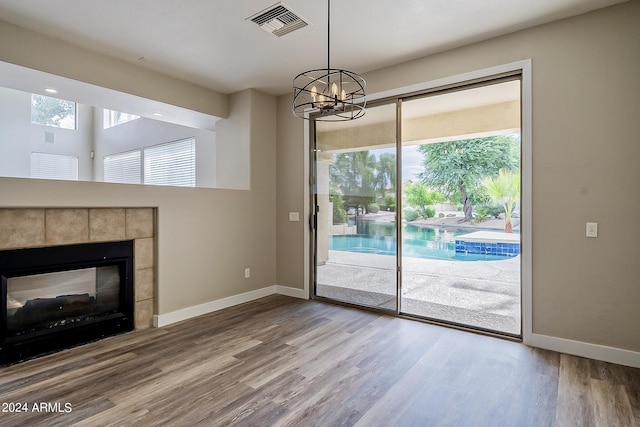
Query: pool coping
489,237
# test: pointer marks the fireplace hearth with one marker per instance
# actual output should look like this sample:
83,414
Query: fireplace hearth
57,297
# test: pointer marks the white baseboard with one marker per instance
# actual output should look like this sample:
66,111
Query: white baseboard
291,292
583,349
160,320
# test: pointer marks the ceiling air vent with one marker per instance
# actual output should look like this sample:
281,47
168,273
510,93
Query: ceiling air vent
278,20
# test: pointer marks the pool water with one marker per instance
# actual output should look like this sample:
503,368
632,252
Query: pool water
419,242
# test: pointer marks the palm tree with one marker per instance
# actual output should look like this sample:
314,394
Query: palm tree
504,189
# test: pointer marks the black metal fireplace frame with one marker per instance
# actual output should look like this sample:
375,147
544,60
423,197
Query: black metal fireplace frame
50,259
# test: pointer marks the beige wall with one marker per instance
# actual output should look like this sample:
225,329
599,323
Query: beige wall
233,145
206,237
585,167
291,183
32,50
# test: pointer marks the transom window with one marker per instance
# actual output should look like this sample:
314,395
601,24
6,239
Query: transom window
113,118
54,112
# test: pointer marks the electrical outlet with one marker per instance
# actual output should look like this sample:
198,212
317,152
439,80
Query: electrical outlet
592,229
247,273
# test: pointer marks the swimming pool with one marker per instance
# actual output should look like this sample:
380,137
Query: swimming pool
419,242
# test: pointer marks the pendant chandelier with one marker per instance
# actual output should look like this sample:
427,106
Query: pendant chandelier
335,94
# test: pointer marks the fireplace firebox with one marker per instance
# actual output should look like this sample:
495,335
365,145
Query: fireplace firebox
61,296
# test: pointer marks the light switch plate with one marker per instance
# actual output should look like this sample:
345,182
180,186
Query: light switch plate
592,229
294,216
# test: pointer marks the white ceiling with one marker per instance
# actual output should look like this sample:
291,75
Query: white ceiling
210,42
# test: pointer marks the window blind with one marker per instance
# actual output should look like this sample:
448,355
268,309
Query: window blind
54,166
173,163
124,168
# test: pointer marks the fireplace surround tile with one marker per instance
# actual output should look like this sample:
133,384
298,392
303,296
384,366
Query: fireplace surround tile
139,223
21,228
106,224
66,226
144,253
143,314
143,284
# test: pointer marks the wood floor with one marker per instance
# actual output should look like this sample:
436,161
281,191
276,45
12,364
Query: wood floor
288,362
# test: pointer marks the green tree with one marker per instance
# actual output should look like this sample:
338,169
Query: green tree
504,189
386,174
339,213
46,110
420,197
361,177
335,197
458,166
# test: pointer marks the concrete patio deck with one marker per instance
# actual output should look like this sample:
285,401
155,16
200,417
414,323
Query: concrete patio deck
484,294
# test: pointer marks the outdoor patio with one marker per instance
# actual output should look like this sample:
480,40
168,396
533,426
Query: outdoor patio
484,294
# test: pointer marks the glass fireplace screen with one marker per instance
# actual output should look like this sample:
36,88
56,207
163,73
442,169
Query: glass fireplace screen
44,301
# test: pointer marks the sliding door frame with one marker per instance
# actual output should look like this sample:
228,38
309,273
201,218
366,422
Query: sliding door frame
459,82
311,244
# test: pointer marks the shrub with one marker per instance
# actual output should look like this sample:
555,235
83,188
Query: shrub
373,208
492,211
480,214
410,214
429,212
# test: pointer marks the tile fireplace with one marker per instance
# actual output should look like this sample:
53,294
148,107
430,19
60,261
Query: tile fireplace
60,296
55,291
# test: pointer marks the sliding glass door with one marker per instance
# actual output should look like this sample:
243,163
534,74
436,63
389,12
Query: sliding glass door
440,173
461,198
355,188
